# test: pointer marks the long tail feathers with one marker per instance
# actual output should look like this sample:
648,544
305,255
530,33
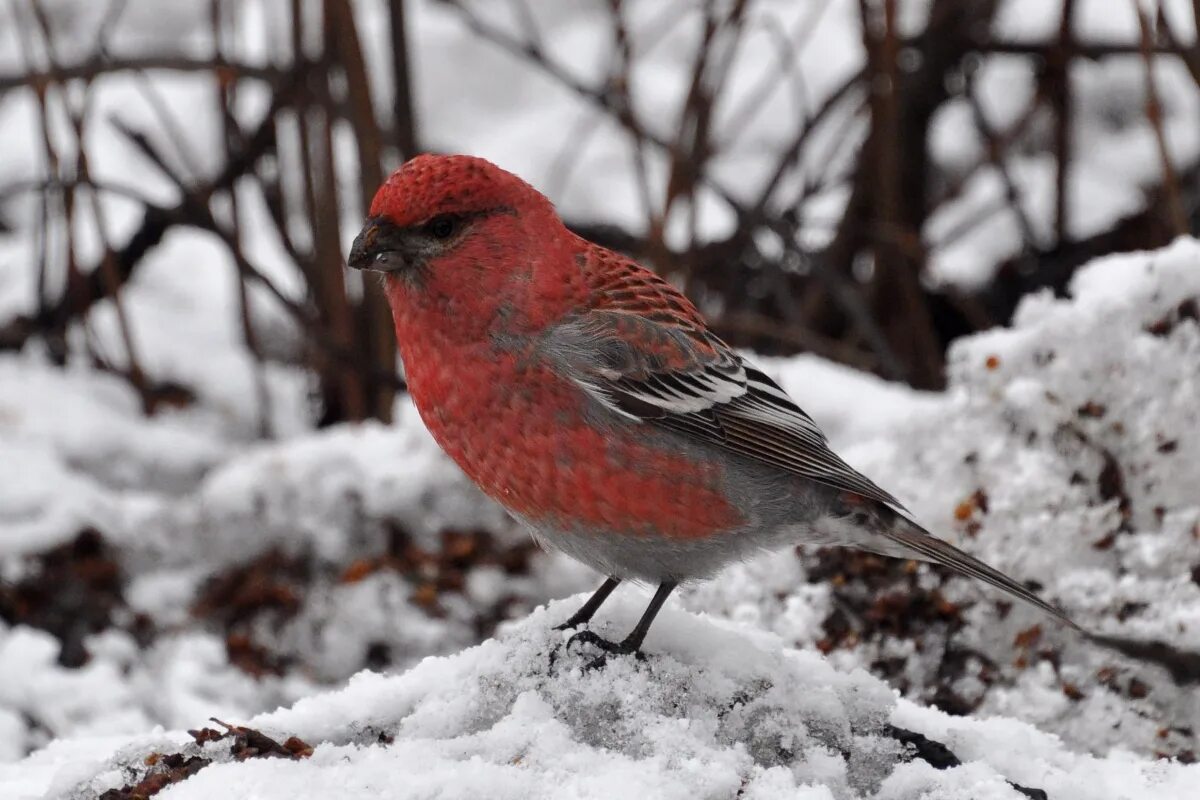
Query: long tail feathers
1184,665
929,548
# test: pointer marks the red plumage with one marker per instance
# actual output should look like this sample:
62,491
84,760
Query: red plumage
587,395
517,427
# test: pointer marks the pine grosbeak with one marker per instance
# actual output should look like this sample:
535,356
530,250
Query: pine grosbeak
587,396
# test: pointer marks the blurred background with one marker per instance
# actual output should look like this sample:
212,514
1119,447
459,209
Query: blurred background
860,180
188,529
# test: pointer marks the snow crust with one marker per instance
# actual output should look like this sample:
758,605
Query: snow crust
713,711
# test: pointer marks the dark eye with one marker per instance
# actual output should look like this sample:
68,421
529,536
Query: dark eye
442,227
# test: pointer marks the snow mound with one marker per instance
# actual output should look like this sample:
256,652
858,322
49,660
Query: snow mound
1066,452
712,711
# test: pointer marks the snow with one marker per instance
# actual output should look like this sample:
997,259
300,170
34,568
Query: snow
714,710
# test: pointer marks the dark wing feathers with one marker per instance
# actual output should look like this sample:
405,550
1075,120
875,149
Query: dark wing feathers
783,436
642,350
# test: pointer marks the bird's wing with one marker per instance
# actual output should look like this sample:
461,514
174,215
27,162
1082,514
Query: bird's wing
642,350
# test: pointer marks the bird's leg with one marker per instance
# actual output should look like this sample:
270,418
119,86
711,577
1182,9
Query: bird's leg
633,641
592,605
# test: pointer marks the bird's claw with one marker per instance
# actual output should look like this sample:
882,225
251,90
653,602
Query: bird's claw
593,638
607,647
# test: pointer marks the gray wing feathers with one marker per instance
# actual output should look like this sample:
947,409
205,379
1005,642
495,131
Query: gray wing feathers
767,422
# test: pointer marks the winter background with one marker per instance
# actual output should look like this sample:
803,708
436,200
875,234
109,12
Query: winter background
956,231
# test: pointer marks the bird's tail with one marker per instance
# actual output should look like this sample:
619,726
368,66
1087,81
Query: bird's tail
917,542
907,539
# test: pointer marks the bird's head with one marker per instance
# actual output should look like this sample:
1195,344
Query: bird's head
449,218
464,244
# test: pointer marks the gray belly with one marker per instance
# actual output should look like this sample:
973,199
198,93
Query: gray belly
658,559
779,509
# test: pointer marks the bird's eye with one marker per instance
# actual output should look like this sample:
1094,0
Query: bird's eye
442,227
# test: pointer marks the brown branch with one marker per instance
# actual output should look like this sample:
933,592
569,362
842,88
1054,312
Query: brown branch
1189,55
344,397
994,149
1093,50
76,115
791,154
621,102
1142,230
1004,140
897,306
226,101
789,47
404,122
896,298
1058,94
1170,181
156,220
689,151
375,317
199,215
55,337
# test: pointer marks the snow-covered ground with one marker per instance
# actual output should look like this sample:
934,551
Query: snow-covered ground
158,572
714,711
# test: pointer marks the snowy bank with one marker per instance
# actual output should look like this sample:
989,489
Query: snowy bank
712,711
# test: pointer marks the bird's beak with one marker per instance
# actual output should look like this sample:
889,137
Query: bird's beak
379,246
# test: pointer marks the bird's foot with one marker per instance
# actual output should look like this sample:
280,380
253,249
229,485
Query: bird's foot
607,648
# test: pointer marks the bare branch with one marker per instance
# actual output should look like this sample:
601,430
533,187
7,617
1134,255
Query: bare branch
99,65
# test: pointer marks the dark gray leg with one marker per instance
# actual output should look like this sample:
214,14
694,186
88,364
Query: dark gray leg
592,605
634,640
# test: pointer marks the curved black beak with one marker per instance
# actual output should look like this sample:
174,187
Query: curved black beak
379,246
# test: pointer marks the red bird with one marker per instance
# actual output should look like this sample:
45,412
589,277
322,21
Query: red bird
587,396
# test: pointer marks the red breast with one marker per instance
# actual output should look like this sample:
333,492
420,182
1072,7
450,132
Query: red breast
518,429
